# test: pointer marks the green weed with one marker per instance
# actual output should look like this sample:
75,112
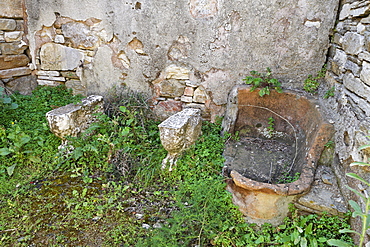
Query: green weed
265,81
311,84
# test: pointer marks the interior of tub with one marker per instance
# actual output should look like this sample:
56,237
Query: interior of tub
276,138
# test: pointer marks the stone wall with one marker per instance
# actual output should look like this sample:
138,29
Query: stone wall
14,58
149,46
349,73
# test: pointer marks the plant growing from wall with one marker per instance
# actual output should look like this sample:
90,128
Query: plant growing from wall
329,93
363,213
265,81
311,84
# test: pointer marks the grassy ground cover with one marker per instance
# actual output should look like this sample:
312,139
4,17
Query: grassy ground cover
109,189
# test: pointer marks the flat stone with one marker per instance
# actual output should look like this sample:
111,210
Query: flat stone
8,24
353,43
24,84
72,119
364,55
365,73
353,67
359,12
70,74
13,61
13,36
8,73
167,108
48,83
14,48
59,57
356,86
345,12
59,39
47,73
324,197
186,99
52,78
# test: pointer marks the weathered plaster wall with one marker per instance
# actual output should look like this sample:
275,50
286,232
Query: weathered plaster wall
149,44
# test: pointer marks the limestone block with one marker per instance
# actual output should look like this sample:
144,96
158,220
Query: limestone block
48,83
186,99
364,55
359,12
76,86
353,43
13,36
59,57
8,73
70,120
80,35
14,48
365,73
8,24
189,91
59,39
13,61
70,74
11,8
24,84
176,72
179,132
353,67
52,78
345,12
199,96
47,73
171,88
356,86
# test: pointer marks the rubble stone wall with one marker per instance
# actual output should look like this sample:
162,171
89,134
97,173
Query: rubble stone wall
15,73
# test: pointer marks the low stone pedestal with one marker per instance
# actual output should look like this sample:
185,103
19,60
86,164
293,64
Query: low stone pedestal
178,132
72,119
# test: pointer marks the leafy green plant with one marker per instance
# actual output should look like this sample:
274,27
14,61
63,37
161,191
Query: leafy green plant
287,178
270,126
329,144
329,93
6,101
363,213
311,84
265,81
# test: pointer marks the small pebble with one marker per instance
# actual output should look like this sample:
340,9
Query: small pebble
157,225
139,216
145,226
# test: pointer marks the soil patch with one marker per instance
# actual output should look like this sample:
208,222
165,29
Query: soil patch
263,160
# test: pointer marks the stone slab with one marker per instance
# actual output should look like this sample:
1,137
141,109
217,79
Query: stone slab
8,73
13,61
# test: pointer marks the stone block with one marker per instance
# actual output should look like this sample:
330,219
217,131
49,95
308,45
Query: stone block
175,72
59,39
179,132
353,43
70,74
13,36
48,83
52,78
356,86
72,119
365,73
360,12
199,96
8,24
24,84
364,55
47,73
186,99
8,73
189,91
171,88
76,86
353,67
13,61
59,57
345,12
14,48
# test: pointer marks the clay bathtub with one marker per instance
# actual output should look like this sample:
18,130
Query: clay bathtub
301,122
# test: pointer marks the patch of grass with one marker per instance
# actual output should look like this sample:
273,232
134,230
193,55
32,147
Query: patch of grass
110,190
